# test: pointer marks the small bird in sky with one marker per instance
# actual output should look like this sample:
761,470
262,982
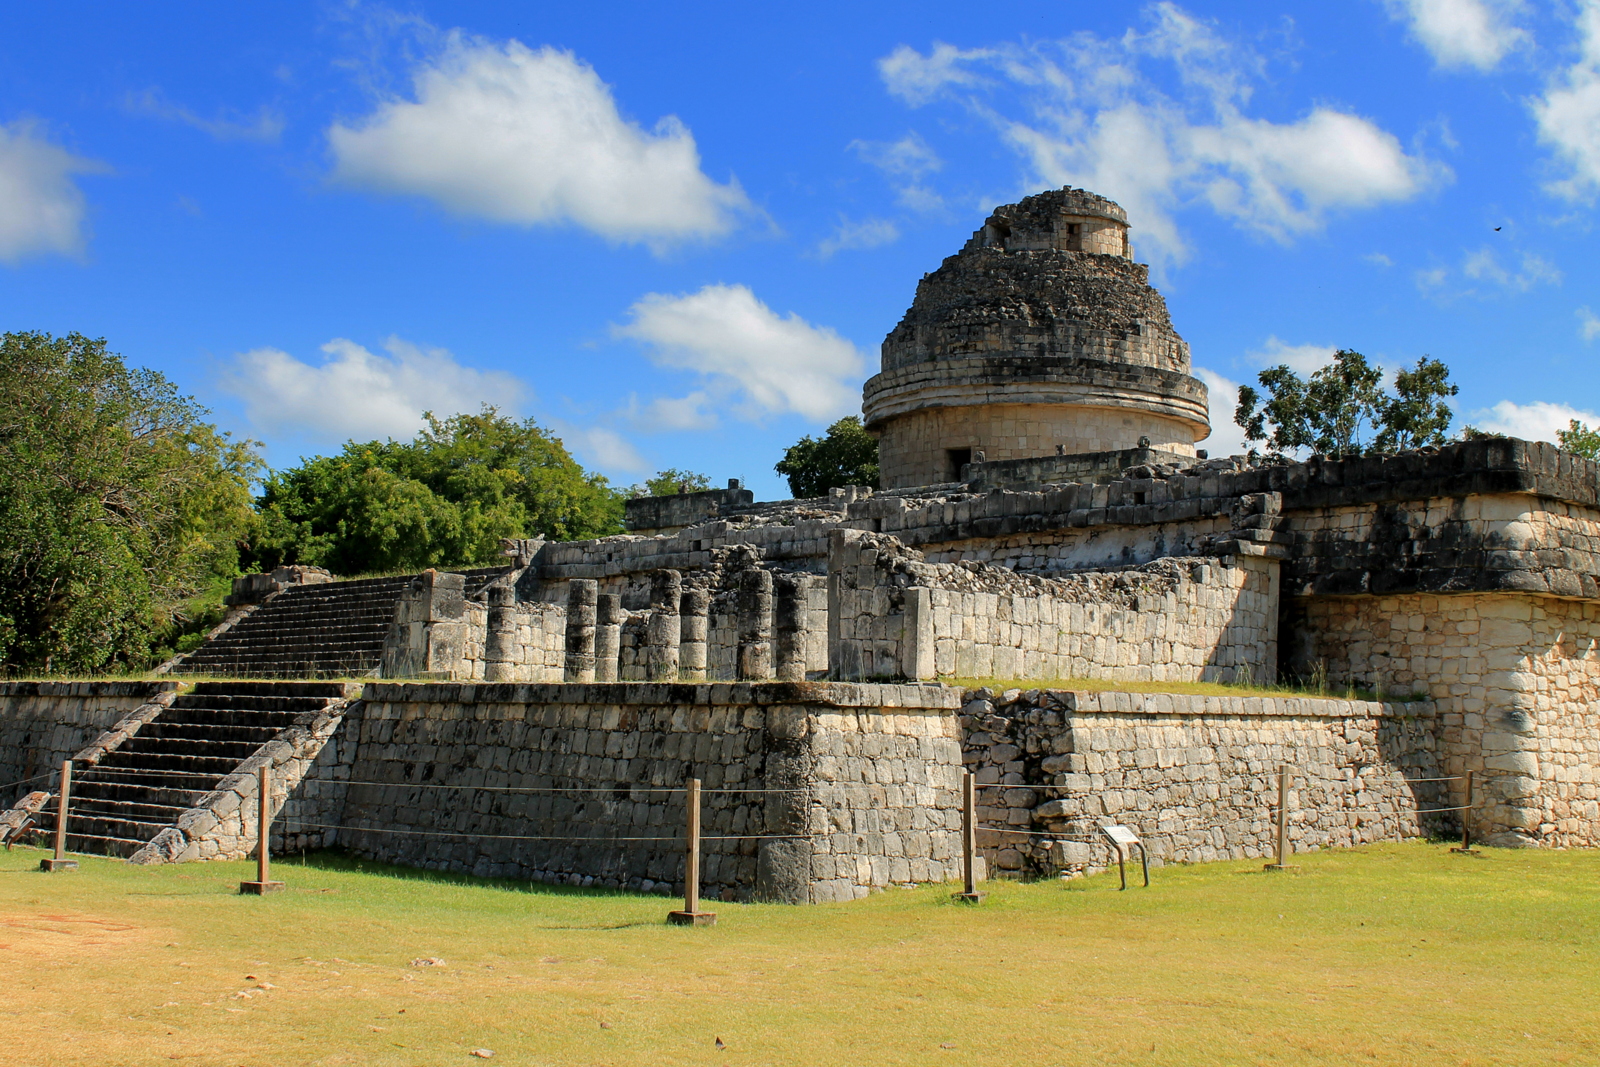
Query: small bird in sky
1497,229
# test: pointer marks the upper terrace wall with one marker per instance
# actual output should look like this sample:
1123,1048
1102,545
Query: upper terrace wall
892,614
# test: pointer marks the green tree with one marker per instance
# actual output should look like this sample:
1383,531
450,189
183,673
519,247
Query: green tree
119,504
1333,410
1580,440
848,455
671,482
445,498
1417,415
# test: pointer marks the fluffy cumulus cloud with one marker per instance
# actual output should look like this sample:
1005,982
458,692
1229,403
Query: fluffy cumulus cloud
1537,421
503,132
1302,359
762,362
1088,111
1462,33
1568,111
360,394
41,207
1226,438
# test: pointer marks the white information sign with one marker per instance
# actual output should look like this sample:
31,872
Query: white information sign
1122,835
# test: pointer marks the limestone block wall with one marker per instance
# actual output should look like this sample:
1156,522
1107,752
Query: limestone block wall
43,723
1195,776
913,449
1516,680
1171,620
583,784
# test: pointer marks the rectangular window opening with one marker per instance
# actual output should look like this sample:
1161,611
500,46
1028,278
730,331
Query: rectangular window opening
956,458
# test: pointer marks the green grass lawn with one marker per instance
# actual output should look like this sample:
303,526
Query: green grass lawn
1393,954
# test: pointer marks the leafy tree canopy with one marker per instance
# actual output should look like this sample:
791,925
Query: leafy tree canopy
1580,440
670,482
848,455
445,498
1339,406
118,503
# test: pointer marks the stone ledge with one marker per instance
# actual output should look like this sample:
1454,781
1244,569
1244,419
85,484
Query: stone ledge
86,689
1091,702
903,697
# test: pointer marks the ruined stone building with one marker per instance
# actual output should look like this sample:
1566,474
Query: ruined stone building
1044,515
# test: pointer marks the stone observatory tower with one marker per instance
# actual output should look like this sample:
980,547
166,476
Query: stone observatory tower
1040,337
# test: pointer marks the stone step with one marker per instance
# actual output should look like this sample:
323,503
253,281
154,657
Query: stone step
141,746
207,728
138,811
172,791
156,761
236,693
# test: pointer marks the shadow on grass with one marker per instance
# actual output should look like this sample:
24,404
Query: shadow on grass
339,861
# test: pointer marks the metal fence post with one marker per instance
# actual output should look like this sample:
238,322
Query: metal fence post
262,884
691,915
60,862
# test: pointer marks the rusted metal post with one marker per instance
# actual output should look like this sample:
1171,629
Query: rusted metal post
1283,822
691,915
969,839
262,884
1466,822
60,862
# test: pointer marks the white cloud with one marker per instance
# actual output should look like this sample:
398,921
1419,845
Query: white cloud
1378,259
669,414
775,363
1484,266
513,135
1091,116
1226,438
868,233
1302,359
1588,324
601,446
357,394
1537,421
41,208
1462,33
905,162
1568,112
266,126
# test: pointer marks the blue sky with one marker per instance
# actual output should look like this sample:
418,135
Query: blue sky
677,234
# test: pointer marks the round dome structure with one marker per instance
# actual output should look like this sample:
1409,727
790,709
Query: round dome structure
1040,336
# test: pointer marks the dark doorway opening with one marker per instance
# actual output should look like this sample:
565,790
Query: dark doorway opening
956,459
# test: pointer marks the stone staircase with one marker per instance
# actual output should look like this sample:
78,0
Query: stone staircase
327,630
334,630
142,786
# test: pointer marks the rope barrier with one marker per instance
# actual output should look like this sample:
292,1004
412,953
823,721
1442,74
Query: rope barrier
25,781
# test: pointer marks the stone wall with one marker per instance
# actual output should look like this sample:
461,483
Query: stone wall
43,723
1195,776
894,615
814,792
1516,680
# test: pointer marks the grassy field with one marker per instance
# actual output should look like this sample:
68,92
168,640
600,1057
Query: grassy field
1395,954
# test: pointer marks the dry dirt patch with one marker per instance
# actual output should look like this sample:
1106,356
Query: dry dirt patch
56,933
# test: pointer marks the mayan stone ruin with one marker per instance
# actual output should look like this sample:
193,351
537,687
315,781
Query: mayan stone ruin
1044,514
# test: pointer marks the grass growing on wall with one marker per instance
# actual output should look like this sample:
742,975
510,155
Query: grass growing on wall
1102,685
1385,954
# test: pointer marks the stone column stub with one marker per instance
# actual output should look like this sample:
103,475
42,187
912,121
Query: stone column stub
609,616
582,595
